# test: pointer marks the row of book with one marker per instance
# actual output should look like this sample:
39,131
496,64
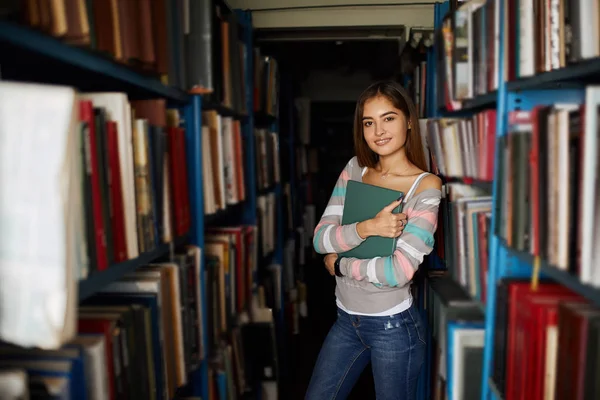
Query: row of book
142,336
140,33
231,267
222,162
268,163
549,198
139,338
135,186
467,53
89,180
546,343
461,147
266,84
465,222
71,152
237,293
542,37
548,206
539,37
198,46
457,333
267,222
414,66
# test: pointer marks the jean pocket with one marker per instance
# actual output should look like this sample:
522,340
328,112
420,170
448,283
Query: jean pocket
419,328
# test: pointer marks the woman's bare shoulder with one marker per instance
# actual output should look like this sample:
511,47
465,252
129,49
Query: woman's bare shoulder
431,181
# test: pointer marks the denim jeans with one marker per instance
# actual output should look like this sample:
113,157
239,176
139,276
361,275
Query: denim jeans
395,346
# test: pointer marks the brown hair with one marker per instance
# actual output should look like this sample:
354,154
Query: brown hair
402,101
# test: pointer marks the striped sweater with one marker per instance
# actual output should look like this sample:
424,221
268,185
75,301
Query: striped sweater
378,284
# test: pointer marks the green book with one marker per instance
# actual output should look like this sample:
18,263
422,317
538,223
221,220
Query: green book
363,202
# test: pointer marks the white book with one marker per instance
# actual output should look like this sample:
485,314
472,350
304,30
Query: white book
526,51
41,208
589,189
229,164
464,339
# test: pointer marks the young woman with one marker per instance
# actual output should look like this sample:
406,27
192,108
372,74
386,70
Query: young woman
377,321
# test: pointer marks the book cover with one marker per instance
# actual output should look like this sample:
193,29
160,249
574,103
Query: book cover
364,201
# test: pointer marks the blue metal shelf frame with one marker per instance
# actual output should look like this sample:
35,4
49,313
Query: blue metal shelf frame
249,213
432,108
578,72
94,63
504,262
565,278
192,113
493,256
96,281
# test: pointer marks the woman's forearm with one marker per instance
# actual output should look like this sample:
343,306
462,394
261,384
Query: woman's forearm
365,228
329,237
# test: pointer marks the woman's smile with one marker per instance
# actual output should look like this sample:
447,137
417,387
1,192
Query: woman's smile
382,141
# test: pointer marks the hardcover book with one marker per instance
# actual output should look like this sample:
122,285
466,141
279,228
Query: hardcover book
364,201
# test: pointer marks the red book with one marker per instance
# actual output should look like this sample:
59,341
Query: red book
534,310
517,292
483,254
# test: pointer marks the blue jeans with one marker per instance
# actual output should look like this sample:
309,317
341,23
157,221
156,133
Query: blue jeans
394,345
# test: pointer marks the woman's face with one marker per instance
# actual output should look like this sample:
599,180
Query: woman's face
384,126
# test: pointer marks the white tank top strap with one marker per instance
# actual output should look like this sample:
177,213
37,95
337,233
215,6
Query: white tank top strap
414,186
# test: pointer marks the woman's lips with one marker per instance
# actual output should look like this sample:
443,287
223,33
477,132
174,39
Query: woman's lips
382,142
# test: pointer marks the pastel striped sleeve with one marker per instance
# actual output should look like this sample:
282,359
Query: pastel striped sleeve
329,235
414,243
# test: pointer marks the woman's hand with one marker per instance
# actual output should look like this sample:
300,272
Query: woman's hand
385,223
329,261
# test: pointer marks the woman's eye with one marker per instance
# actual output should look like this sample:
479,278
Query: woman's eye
368,123
388,119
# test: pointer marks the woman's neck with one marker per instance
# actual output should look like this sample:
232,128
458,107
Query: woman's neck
396,163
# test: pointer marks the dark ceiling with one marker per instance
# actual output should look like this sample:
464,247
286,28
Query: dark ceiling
380,58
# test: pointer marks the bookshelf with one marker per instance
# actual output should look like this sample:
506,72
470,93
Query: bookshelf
94,71
535,284
94,283
29,54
